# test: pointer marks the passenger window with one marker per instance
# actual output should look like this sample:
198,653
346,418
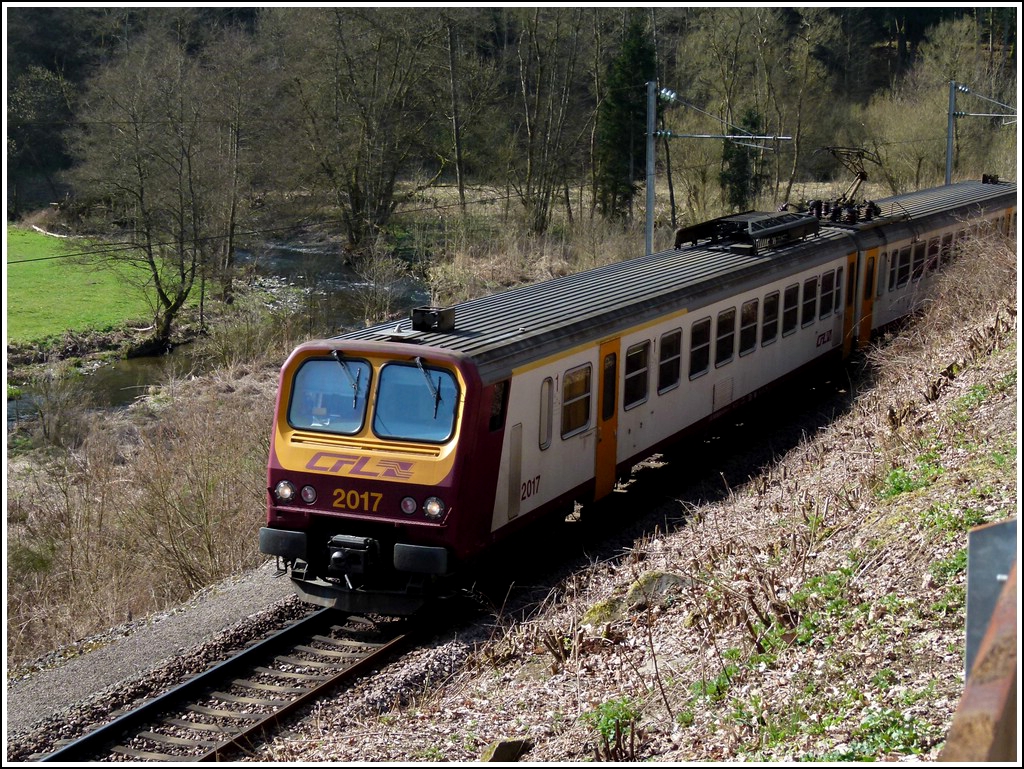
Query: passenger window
700,347
790,303
946,252
635,387
838,299
576,400
770,323
547,398
918,263
725,342
961,236
827,294
748,327
932,263
903,268
670,354
810,301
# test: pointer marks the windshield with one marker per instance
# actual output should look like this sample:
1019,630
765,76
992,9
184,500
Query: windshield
330,395
415,403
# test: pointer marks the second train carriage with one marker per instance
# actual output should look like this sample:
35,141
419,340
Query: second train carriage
404,451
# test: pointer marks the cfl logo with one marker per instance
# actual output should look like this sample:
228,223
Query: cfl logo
354,465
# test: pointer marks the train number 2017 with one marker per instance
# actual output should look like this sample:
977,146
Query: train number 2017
530,487
365,501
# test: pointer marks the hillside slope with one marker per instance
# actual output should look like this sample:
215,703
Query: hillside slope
813,612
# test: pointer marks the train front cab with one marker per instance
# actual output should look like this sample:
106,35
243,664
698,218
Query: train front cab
362,498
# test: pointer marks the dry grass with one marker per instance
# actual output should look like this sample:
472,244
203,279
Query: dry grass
145,509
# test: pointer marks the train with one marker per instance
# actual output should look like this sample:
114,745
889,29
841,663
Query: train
403,453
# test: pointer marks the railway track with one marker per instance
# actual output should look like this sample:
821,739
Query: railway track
234,705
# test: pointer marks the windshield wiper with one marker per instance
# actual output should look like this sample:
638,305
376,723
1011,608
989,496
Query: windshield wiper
435,391
353,380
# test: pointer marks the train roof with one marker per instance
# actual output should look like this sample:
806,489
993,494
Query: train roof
517,326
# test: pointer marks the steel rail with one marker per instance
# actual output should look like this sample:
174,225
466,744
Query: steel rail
222,739
243,740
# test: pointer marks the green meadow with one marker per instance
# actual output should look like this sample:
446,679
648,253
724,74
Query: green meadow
51,288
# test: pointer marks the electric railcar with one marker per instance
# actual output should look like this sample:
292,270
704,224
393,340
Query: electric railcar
403,452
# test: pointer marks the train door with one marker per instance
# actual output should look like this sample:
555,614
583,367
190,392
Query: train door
607,419
867,297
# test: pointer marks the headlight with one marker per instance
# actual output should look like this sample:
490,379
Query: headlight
433,507
409,505
308,495
284,491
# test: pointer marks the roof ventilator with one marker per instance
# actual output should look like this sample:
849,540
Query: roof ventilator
433,319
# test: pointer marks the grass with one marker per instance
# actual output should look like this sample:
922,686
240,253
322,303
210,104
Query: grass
50,292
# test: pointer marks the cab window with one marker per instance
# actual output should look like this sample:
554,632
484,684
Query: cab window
329,395
415,402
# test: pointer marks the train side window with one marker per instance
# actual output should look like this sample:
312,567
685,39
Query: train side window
700,347
918,261
790,303
932,263
828,287
838,299
748,327
576,390
499,402
903,274
547,402
725,337
892,270
810,300
869,277
958,242
899,270
946,251
671,352
634,389
770,322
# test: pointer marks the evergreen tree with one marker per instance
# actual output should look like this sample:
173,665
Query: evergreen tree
622,122
741,178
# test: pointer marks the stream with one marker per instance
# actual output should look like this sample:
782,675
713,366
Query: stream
333,286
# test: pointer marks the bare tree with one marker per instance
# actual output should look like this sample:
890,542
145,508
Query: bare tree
239,90
366,100
145,163
551,116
